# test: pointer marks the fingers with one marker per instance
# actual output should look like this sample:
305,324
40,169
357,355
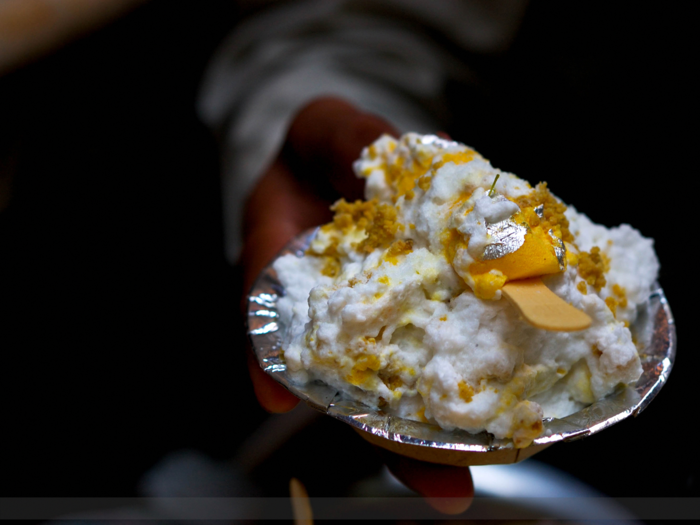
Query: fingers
447,489
279,208
326,137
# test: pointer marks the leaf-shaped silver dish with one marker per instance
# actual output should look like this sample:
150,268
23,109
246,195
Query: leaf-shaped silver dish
431,443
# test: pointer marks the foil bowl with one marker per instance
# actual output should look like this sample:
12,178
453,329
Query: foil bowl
654,327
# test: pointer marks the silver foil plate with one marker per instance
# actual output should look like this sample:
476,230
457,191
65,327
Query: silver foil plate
267,333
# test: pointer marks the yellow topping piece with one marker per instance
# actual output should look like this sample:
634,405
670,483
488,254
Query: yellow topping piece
534,258
537,255
487,284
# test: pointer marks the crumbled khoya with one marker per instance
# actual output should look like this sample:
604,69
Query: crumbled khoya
398,301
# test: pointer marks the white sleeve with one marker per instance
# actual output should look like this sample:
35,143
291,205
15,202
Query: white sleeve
275,62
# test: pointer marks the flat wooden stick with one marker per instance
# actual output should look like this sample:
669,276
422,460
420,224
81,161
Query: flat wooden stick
542,308
301,506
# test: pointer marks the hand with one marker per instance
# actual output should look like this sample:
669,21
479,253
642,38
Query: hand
313,170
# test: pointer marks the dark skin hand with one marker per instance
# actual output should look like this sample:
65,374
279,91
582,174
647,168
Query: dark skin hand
313,170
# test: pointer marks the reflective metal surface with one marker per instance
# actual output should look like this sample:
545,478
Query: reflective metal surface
431,443
507,237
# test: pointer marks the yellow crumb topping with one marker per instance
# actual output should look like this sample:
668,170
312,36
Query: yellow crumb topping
377,220
402,176
619,298
331,268
620,295
382,229
553,211
348,215
582,287
424,182
466,392
591,267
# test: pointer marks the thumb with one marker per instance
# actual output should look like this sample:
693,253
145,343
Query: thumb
326,137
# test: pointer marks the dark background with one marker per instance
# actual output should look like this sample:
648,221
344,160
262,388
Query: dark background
121,338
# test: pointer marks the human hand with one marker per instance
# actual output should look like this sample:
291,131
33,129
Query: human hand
312,171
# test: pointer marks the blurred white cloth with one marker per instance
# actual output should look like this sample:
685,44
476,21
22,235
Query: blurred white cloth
389,57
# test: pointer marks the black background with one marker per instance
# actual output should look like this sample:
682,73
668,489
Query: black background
120,330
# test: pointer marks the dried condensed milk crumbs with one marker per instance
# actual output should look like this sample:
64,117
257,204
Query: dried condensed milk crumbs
397,302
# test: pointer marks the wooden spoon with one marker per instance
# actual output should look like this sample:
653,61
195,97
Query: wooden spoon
301,506
542,308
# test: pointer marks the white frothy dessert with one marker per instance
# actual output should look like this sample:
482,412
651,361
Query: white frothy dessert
398,303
